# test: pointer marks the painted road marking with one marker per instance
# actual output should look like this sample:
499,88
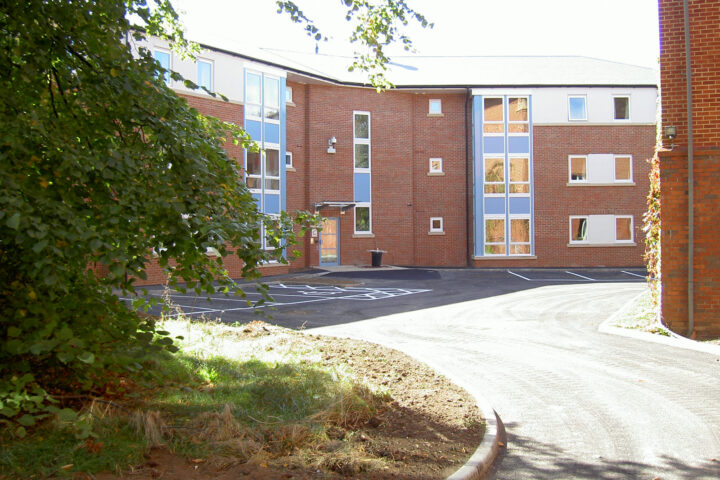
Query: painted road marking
633,274
518,275
581,276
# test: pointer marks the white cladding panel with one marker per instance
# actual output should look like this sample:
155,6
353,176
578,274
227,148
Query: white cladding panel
550,105
601,229
601,168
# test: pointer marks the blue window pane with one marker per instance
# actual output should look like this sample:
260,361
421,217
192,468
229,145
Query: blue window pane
163,58
252,89
205,75
577,108
272,93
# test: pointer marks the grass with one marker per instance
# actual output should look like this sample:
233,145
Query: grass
641,315
230,395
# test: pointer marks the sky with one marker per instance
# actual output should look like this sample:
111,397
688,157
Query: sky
620,30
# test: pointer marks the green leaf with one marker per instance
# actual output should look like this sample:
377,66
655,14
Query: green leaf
86,357
26,420
20,432
13,331
14,221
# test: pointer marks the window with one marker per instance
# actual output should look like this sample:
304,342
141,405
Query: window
288,95
494,175
362,219
253,96
493,116
272,169
272,99
578,169
163,58
435,107
361,140
288,160
623,229
436,225
436,165
253,170
577,108
495,236
518,115
578,229
622,108
261,163
520,236
623,168
205,75
520,175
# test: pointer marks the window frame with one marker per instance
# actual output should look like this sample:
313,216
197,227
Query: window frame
290,156
585,109
587,177
511,243
430,165
632,229
167,52
504,242
494,122
247,103
440,229
629,180
369,207
362,141
288,94
211,88
626,96
506,107
570,229
265,177
510,182
265,107
504,182
435,101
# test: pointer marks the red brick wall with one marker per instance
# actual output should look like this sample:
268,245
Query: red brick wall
404,197
555,202
705,52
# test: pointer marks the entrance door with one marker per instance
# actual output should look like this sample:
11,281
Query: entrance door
330,242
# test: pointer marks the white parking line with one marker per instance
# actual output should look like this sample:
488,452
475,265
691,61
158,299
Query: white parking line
633,274
518,275
581,276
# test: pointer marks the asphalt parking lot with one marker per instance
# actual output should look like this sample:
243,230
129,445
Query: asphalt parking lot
316,300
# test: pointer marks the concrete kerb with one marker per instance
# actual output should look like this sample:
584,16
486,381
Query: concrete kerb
672,339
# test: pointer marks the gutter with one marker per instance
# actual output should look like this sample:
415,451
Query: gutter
691,179
468,217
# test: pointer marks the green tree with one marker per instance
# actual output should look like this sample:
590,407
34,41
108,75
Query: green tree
102,165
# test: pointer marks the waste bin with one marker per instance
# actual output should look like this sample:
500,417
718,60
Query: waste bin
377,257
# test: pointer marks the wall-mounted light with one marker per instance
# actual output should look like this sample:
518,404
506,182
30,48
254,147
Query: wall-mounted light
670,132
331,144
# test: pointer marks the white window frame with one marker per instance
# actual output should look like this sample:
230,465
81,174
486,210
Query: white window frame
168,80
289,155
362,141
632,229
629,180
369,207
288,94
509,180
212,72
570,229
493,122
263,165
247,102
435,101
265,119
430,165
437,230
628,108
504,183
505,236
506,111
510,242
587,177
570,119
258,176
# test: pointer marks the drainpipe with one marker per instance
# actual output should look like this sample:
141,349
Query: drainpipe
691,179
468,243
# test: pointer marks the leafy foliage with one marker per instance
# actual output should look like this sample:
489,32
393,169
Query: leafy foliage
651,226
102,167
375,25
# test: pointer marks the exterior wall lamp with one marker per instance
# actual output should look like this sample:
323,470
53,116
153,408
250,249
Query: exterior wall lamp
670,133
331,144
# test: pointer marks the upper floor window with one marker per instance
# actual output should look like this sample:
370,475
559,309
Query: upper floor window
272,98
577,107
253,96
493,115
205,74
163,58
435,107
622,107
518,115
288,160
361,140
600,169
288,95
436,165
436,225
623,168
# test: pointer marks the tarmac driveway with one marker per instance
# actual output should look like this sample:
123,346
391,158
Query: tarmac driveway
576,403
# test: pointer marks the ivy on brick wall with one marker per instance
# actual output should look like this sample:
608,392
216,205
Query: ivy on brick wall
651,226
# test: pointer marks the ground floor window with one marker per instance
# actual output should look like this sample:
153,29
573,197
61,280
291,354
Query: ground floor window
362,219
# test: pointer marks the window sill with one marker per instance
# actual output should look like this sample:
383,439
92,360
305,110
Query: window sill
435,115
603,245
290,104
271,264
506,257
290,169
436,233
436,174
589,184
363,235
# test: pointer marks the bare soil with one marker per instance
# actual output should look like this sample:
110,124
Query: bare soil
428,430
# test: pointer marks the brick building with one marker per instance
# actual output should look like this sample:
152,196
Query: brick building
682,157
470,161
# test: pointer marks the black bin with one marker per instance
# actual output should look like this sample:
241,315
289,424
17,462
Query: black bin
376,257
